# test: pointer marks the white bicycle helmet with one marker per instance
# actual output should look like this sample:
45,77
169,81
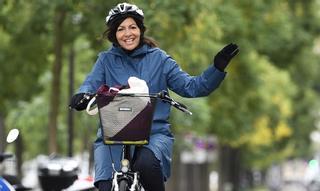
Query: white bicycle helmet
124,9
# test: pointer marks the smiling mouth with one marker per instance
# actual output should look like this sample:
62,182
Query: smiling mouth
129,41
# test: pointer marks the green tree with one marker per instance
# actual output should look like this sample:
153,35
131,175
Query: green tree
270,31
270,90
20,66
66,25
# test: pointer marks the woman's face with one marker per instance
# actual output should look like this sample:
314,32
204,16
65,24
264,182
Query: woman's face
128,34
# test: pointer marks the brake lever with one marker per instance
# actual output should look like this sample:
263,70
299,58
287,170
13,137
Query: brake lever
182,107
164,96
87,96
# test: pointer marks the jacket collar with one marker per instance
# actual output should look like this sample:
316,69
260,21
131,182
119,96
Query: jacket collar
138,52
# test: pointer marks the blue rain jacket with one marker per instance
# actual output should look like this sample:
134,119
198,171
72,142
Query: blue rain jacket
113,68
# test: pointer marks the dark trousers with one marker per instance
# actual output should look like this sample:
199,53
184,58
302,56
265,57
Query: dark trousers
145,162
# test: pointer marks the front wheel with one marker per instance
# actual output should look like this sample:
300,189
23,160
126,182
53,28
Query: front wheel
123,185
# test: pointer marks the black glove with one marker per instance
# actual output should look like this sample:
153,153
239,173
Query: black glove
222,59
79,101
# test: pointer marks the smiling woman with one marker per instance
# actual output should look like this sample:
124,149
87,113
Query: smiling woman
132,54
118,16
128,34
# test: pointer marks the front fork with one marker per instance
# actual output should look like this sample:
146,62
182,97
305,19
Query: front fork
135,182
125,173
119,175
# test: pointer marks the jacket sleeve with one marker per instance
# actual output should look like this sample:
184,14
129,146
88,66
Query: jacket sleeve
192,86
95,78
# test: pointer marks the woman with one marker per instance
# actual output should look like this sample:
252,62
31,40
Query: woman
133,54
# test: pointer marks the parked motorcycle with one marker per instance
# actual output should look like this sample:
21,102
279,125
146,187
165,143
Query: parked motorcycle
10,182
59,173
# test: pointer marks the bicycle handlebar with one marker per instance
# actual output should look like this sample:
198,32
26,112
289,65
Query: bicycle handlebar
163,95
4,156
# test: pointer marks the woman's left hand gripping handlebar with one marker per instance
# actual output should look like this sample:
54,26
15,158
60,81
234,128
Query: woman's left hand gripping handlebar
80,101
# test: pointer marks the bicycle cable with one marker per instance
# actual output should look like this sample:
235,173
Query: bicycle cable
112,161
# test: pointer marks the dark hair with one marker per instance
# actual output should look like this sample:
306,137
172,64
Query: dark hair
110,33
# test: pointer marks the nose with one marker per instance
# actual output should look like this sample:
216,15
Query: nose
127,32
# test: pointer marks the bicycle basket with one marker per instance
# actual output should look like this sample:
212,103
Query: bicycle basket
125,119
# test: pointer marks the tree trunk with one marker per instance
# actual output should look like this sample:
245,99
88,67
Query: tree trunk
70,113
60,13
2,134
229,168
19,152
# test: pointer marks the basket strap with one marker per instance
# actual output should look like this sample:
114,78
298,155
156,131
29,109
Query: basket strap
89,110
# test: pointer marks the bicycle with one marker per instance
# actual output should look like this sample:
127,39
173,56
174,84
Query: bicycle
126,179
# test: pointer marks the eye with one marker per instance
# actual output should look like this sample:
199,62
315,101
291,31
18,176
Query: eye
120,29
133,27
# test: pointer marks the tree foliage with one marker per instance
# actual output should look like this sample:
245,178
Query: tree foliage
21,61
265,105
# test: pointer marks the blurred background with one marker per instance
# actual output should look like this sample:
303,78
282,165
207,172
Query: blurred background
259,131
